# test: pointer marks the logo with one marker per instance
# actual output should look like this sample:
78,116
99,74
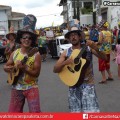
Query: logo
85,116
108,3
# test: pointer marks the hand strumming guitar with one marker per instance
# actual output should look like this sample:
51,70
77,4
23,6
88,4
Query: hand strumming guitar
69,61
21,67
92,44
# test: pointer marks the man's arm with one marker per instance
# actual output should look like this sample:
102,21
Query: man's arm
62,62
10,64
95,50
36,67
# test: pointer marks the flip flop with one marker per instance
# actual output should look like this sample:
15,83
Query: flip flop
102,82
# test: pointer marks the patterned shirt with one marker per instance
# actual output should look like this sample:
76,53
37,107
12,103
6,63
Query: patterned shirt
25,81
106,42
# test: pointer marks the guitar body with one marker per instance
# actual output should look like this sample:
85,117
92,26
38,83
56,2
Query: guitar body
13,75
70,74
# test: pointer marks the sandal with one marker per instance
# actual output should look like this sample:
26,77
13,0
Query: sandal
110,79
113,59
102,82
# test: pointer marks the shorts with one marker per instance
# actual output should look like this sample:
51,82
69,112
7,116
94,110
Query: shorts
118,59
104,64
18,100
83,99
42,50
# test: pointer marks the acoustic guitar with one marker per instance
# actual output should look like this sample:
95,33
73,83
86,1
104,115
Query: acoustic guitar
14,74
72,73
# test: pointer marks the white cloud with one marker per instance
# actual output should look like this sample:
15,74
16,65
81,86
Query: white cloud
46,11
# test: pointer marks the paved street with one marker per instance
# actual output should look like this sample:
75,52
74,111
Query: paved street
53,93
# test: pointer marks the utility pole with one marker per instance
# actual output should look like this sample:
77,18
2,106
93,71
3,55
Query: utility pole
99,8
78,10
67,12
74,4
98,11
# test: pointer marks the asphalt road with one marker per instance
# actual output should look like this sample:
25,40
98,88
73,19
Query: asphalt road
53,93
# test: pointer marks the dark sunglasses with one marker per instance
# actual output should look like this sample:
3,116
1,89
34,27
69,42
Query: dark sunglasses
27,37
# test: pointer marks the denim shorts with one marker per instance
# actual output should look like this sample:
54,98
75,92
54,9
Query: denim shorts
83,99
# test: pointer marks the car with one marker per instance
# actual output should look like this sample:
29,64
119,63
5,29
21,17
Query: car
58,45
62,44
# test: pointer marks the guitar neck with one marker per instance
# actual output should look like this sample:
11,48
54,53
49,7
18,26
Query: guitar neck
24,60
82,51
31,52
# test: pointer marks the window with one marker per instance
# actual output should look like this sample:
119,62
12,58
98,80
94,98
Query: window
62,41
76,4
88,5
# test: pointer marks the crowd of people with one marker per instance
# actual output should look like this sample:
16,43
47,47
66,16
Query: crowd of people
25,51
108,41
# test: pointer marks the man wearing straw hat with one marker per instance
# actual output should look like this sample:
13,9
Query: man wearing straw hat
82,96
26,86
11,45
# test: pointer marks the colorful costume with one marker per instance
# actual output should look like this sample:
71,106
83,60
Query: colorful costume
82,98
106,48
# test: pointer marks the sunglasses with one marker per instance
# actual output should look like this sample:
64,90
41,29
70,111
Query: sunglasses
27,37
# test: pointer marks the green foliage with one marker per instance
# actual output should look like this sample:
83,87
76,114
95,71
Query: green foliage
86,11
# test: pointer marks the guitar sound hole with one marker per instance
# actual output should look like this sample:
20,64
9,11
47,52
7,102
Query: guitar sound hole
77,67
76,60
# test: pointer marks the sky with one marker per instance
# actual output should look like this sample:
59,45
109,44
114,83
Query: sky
46,11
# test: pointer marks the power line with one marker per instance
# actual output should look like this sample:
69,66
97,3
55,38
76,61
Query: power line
47,15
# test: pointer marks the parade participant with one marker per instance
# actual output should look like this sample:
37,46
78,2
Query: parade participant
114,32
118,33
105,42
117,58
86,32
26,85
42,45
117,49
11,45
82,96
94,34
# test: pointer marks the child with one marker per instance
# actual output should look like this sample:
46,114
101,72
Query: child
118,57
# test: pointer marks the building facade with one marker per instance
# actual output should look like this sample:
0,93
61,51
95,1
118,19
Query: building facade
107,12
9,18
77,9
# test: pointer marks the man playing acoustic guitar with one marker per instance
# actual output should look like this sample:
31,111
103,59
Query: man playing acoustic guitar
82,96
25,84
